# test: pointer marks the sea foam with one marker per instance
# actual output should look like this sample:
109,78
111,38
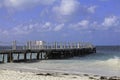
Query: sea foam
113,63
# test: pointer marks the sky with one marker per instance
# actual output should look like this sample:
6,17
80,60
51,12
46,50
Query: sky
94,21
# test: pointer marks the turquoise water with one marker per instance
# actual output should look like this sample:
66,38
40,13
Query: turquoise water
105,62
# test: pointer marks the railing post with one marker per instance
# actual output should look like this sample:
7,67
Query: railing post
29,44
72,45
14,45
78,45
47,46
68,45
56,45
64,45
61,46
51,45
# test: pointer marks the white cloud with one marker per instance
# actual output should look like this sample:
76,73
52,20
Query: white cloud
82,25
66,7
33,27
26,29
19,30
110,21
22,29
91,9
47,2
37,27
47,26
58,27
69,9
18,4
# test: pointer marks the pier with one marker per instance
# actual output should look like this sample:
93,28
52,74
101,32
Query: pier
44,51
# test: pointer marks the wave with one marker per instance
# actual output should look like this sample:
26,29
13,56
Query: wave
112,63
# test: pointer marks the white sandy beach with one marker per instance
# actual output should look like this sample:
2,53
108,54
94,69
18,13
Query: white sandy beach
18,75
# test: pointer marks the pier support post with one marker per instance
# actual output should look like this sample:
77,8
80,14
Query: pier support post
61,56
3,57
38,54
10,57
25,56
30,56
18,56
71,53
41,56
45,56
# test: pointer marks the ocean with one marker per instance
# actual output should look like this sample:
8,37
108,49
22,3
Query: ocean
106,61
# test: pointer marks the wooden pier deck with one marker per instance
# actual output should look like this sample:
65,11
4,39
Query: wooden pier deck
46,52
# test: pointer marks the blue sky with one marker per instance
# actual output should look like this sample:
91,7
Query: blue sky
95,21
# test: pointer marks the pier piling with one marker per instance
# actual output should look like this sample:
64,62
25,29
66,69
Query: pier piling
10,57
30,56
25,56
18,56
38,56
3,57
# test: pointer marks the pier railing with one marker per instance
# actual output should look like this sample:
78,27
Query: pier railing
33,45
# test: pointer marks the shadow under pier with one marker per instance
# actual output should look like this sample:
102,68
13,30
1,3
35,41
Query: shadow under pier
44,54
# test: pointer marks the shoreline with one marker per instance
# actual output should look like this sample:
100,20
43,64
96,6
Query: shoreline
6,74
